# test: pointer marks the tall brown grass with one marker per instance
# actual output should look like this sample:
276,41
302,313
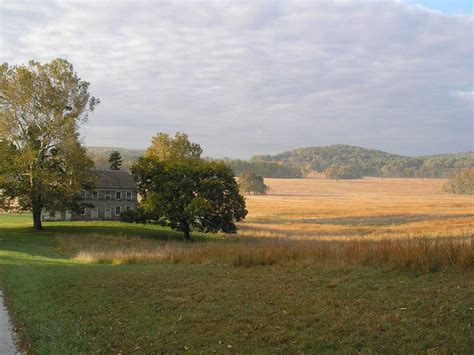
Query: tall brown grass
402,224
417,255
367,208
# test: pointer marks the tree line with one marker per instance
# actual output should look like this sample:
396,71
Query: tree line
354,162
264,168
337,161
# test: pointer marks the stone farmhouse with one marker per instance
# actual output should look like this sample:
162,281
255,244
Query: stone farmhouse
114,192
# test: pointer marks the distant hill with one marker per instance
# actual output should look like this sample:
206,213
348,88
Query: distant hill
370,162
100,156
295,163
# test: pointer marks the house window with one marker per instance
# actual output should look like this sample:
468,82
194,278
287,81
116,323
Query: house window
82,211
129,195
83,193
107,197
52,214
128,208
118,195
117,210
95,194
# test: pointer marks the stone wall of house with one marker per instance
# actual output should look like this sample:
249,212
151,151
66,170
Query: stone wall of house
103,201
113,200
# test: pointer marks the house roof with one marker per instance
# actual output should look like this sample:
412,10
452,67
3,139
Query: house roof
114,179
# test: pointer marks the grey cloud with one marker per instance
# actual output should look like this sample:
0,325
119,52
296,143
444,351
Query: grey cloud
260,77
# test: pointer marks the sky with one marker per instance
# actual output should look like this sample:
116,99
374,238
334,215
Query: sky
262,77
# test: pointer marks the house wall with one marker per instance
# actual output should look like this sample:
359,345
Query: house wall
101,202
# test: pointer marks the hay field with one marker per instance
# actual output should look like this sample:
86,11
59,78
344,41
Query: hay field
370,208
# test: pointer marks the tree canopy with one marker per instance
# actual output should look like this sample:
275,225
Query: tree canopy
264,168
462,182
345,172
369,162
166,148
42,162
251,183
183,191
115,160
202,195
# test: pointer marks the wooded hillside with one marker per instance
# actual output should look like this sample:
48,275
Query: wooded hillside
371,162
295,163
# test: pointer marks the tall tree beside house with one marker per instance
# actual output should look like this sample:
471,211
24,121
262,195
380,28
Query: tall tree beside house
202,196
115,160
180,148
42,161
184,192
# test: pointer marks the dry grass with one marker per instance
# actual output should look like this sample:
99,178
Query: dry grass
399,223
421,255
370,208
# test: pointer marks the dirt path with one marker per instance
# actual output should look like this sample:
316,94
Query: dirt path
7,342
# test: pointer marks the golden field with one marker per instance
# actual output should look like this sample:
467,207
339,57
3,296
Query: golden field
370,208
404,224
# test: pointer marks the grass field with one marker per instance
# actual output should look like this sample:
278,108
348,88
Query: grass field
370,208
197,298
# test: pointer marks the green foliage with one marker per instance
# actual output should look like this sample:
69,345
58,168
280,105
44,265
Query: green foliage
462,182
251,183
165,148
345,172
182,195
115,160
42,162
264,168
370,162
299,162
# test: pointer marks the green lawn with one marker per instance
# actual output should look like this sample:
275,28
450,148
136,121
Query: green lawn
61,306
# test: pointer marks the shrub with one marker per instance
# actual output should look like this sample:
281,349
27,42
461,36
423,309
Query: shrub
462,182
251,183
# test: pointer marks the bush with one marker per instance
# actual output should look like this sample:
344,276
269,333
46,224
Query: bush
251,183
133,216
462,182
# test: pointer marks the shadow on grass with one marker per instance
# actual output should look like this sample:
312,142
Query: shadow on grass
18,236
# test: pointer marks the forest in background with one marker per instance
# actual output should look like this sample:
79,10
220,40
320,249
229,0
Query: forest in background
345,160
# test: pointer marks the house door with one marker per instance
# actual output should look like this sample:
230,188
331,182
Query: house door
67,215
95,213
108,213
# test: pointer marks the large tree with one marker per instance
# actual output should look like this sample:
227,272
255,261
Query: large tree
42,161
184,192
203,196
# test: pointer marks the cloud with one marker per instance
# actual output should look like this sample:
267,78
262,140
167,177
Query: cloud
260,77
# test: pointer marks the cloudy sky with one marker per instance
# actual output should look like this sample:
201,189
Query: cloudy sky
256,77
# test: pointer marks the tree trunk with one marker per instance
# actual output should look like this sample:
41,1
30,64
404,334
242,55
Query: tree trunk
187,235
37,225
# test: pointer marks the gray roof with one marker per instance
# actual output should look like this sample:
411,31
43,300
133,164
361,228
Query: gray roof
114,179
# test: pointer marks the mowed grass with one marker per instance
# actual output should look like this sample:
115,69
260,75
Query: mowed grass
208,296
